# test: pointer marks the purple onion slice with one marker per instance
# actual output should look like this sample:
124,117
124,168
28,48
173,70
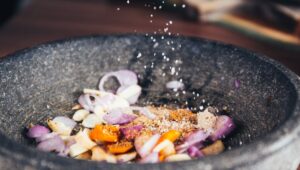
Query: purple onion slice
37,131
116,116
223,127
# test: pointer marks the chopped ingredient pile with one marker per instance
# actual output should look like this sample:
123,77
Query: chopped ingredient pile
107,126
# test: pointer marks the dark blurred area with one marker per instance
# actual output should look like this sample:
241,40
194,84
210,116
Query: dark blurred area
270,27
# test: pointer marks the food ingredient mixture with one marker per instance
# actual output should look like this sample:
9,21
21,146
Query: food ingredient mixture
108,126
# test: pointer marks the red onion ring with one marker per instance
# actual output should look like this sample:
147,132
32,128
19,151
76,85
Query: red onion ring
124,77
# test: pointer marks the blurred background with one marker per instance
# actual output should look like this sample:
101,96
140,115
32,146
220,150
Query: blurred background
270,27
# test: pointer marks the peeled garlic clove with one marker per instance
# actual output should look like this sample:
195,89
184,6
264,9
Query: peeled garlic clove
59,128
118,102
126,157
82,138
79,115
100,111
111,158
77,149
85,156
131,93
98,154
92,120
177,157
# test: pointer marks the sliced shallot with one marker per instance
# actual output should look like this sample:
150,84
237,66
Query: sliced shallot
148,146
131,132
116,116
151,158
124,77
194,152
37,131
52,144
224,125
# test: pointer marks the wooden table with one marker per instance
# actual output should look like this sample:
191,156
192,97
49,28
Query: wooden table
46,20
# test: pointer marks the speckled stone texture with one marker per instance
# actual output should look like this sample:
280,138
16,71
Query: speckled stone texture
45,81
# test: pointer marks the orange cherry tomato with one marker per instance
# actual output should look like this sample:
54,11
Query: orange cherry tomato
120,147
105,133
171,135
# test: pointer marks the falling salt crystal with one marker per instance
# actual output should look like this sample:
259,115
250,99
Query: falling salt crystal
145,67
241,142
171,22
167,59
163,54
166,29
177,94
174,5
139,55
173,49
154,7
48,107
151,21
151,15
168,42
162,37
128,1
160,7
172,70
163,74
118,9
154,32
201,107
155,45
163,2
183,92
169,33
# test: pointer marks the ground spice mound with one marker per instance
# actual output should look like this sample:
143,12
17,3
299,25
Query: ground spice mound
167,119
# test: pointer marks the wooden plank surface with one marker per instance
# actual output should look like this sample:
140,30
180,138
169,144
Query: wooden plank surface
46,20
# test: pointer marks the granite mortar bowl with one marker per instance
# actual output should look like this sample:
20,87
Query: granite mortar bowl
262,96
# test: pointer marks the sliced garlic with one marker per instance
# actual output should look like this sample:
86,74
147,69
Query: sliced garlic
92,120
59,128
111,158
178,157
82,138
130,91
79,115
77,149
126,157
98,154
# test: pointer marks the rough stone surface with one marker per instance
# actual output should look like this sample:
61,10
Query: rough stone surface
44,81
